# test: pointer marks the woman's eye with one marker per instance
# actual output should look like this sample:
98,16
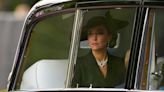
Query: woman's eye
97,33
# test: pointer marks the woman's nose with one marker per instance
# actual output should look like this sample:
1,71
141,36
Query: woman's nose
95,36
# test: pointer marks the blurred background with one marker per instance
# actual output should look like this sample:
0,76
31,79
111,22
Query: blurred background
12,15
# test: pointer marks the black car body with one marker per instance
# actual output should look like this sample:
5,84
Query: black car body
52,31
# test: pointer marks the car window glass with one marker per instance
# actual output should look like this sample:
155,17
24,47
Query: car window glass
47,52
87,72
152,54
156,72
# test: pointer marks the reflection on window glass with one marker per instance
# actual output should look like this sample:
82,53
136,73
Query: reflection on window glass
157,68
146,49
105,39
152,53
47,53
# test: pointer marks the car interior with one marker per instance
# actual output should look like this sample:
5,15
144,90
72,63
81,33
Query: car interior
51,73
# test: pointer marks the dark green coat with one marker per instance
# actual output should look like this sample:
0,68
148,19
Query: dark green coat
87,72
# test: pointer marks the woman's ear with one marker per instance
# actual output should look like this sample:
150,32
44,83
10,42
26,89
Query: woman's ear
112,40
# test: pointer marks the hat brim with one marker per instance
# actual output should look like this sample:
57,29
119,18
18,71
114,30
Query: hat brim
113,25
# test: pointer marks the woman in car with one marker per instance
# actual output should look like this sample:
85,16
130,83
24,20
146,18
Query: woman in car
98,68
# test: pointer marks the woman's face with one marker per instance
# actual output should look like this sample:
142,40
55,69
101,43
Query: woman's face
98,37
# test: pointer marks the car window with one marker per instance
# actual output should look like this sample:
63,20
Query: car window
46,53
87,72
151,60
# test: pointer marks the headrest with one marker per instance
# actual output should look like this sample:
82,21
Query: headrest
45,74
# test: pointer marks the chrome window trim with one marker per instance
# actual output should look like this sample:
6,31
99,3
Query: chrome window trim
141,46
74,45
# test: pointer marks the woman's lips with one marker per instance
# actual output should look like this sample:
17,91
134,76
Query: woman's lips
94,44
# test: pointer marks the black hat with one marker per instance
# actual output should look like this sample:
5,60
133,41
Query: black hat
112,25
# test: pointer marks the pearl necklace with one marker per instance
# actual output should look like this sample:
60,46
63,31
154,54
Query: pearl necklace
102,63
